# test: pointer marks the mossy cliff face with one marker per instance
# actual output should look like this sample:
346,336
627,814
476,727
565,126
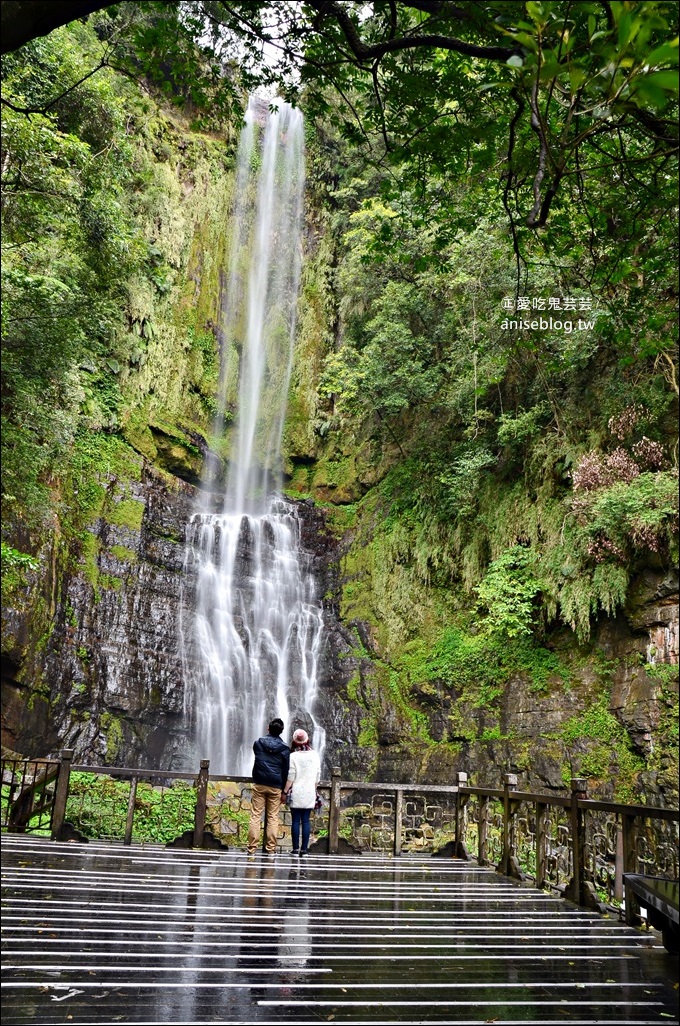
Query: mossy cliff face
453,643
473,621
170,387
415,691
90,639
91,656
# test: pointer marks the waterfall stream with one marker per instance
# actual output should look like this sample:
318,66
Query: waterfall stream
253,627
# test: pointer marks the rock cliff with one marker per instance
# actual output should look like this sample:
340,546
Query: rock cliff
95,664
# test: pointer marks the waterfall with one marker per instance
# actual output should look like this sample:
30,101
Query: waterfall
253,627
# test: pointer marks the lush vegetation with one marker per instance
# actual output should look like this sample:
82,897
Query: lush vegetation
102,214
485,389
98,808
498,402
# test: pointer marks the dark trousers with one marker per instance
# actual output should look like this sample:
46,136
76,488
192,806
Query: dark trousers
300,822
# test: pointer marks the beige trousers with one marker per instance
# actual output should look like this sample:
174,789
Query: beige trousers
264,798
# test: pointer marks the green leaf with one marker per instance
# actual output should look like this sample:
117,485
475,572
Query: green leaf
667,53
625,26
525,39
669,80
550,69
535,12
650,94
618,8
577,76
495,85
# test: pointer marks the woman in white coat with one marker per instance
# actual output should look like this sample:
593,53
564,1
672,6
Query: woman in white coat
303,776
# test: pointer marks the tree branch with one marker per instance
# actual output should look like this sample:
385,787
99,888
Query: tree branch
22,20
393,19
542,157
365,52
376,89
663,129
517,97
47,106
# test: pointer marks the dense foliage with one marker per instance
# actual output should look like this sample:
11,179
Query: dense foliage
97,224
548,430
486,375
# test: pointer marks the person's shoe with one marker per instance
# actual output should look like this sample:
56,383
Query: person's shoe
304,852
295,851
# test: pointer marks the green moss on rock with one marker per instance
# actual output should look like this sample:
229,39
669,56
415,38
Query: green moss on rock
126,513
112,729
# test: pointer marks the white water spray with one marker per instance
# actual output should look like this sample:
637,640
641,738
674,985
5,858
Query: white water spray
252,643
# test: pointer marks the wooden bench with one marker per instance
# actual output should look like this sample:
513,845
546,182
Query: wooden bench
659,897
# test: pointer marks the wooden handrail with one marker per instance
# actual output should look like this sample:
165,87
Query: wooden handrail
562,801
552,854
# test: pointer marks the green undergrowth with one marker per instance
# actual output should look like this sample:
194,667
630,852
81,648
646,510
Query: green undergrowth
97,806
483,665
605,751
17,567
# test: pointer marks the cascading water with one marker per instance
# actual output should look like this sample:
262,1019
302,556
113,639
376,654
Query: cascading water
252,636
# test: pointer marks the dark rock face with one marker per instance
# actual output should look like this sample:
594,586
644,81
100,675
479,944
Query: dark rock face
112,663
95,663
107,678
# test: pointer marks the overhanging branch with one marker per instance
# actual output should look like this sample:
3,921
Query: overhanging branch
22,21
365,53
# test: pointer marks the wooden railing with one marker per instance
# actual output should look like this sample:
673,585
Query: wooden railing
578,846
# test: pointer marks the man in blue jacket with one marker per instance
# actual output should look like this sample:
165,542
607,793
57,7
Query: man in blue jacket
270,772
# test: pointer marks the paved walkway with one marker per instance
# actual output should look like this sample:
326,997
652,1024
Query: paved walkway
106,934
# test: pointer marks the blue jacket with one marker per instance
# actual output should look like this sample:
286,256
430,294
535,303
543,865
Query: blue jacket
272,757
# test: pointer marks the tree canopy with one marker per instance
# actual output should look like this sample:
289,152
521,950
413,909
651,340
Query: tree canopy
545,98
461,156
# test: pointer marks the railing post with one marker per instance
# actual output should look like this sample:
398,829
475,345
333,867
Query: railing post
541,843
130,811
618,862
483,839
629,829
334,812
201,803
461,801
61,793
509,866
398,817
576,889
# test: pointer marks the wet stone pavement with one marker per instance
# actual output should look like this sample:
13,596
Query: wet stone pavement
101,933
